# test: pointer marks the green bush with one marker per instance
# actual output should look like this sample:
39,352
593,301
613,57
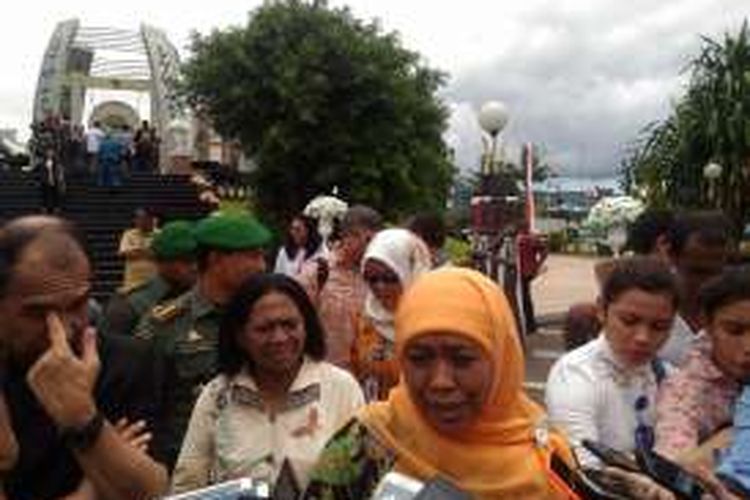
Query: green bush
459,251
558,241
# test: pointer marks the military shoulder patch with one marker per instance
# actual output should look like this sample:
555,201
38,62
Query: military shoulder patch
166,312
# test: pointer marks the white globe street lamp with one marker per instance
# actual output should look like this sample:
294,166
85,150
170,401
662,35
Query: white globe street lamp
493,116
712,172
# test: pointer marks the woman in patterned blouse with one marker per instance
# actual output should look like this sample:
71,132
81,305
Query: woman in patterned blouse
698,400
275,403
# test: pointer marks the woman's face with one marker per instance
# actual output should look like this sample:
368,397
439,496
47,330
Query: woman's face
729,330
636,324
449,378
383,282
298,232
274,334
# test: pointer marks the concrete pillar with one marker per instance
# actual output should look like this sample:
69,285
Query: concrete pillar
77,95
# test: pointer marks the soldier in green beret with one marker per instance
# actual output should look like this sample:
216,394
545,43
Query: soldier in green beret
184,331
174,249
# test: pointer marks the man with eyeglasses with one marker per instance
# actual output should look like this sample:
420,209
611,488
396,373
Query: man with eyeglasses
335,284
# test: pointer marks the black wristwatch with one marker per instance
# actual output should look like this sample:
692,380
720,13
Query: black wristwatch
82,438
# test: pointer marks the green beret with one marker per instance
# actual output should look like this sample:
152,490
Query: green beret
174,240
231,231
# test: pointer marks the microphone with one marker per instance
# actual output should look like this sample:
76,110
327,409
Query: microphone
397,486
237,489
442,489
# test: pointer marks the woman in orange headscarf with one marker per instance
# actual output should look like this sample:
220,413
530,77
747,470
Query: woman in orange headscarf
459,411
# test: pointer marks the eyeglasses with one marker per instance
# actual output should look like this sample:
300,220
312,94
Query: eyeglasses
644,433
384,279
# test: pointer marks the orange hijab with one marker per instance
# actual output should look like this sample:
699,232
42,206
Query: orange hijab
499,456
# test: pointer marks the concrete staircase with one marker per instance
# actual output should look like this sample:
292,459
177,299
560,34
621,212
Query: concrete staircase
104,213
19,194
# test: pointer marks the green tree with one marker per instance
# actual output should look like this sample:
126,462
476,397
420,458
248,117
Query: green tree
541,170
321,100
710,123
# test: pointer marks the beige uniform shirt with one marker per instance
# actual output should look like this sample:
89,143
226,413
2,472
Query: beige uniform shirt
232,435
137,270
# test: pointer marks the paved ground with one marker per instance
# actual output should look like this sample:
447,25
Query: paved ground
566,281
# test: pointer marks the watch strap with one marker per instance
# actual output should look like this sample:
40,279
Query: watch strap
82,438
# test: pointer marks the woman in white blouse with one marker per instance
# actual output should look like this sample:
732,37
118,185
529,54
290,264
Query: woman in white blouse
303,242
275,403
605,390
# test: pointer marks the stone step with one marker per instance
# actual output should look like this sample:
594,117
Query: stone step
543,349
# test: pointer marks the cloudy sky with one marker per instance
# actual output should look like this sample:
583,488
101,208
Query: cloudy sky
579,76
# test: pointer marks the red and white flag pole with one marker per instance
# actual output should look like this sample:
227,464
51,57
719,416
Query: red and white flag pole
530,206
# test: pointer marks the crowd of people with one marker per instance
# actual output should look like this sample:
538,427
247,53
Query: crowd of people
358,356
61,150
659,362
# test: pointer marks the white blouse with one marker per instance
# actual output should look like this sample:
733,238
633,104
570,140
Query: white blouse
292,267
682,340
232,435
590,395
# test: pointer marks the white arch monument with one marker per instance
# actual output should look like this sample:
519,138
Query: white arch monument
80,58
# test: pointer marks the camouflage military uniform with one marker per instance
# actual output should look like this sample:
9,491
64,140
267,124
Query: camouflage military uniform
185,334
126,308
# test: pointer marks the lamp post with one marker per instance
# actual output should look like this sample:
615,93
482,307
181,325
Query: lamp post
712,172
492,211
493,116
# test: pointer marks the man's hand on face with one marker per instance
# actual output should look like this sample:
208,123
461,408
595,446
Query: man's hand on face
63,382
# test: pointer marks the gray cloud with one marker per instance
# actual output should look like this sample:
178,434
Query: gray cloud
584,81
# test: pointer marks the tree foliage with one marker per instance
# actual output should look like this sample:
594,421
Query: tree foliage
321,100
711,123
509,177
